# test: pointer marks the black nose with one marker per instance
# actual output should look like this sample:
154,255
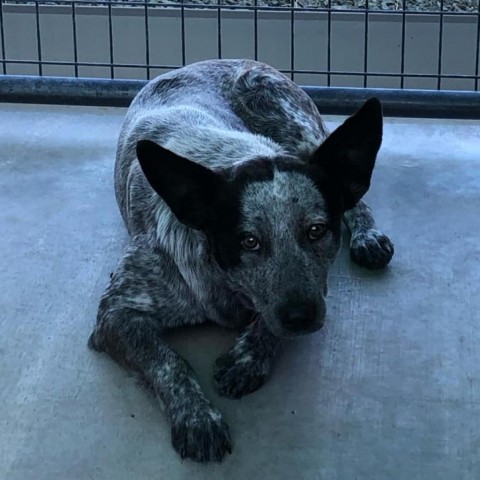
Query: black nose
298,316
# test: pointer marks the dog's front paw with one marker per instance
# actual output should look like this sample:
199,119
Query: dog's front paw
201,435
371,249
239,375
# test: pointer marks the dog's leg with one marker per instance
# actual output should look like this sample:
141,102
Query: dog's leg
132,315
369,247
246,366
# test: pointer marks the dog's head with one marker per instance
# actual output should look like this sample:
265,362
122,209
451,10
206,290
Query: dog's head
274,224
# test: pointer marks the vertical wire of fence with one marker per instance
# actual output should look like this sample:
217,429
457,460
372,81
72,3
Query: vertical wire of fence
2,39
477,50
147,40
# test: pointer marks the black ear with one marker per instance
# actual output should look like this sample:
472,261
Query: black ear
348,155
189,189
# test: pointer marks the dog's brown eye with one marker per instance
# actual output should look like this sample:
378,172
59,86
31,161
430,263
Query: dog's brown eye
250,243
317,231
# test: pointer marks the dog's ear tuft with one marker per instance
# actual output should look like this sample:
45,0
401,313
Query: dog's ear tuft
348,155
189,189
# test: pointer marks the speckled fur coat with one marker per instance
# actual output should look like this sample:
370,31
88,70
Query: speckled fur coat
233,194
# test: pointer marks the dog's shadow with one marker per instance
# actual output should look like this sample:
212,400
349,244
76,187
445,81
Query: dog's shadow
201,345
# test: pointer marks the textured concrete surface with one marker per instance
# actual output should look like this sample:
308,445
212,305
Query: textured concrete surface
388,390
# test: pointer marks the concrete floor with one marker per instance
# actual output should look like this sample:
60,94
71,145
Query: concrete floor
390,389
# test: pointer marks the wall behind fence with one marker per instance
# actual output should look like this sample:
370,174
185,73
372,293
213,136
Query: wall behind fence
317,48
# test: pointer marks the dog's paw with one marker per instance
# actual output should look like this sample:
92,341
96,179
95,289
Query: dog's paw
201,435
371,249
236,376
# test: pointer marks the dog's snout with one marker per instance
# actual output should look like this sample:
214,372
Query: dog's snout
298,316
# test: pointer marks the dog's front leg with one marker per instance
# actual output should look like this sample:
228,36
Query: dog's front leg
135,309
247,365
369,247
198,430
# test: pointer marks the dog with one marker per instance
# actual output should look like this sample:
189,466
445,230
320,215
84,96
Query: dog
233,194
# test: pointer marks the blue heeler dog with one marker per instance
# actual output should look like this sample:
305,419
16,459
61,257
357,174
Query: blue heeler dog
233,194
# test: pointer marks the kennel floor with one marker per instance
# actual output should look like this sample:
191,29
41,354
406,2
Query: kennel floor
389,389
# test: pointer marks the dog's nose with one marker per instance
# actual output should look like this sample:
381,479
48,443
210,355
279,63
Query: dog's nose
298,316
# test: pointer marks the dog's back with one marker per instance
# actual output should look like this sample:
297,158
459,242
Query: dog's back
215,113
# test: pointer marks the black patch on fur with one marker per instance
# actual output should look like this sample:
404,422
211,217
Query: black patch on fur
224,234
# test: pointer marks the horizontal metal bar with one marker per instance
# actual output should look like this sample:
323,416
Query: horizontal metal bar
68,91
330,100
339,73
399,103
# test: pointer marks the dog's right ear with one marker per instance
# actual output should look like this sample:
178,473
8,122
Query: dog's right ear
189,189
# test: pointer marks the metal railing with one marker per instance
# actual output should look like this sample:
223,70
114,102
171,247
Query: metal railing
27,76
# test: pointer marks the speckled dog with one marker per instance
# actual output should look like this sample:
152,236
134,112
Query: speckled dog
233,195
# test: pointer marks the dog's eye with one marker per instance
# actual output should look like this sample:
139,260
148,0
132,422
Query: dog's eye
250,242
317,231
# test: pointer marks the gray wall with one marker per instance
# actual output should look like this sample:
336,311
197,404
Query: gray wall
237,35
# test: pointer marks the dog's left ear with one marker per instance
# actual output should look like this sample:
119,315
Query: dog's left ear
348,155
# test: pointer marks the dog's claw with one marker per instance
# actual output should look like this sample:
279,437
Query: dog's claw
371,249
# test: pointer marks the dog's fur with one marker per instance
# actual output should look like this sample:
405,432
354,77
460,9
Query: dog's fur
222,169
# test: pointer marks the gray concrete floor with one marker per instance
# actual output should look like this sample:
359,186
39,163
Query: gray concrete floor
388,390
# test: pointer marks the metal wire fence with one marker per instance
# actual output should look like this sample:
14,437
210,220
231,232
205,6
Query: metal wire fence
322,46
